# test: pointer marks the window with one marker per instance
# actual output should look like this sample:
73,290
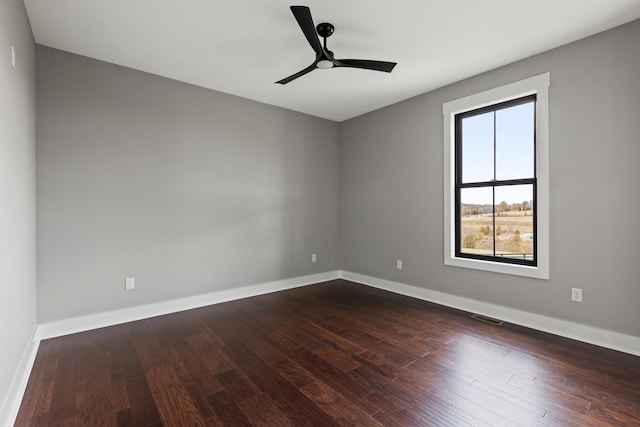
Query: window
496,179
495,183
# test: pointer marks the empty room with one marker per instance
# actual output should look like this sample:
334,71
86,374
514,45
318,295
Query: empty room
220,213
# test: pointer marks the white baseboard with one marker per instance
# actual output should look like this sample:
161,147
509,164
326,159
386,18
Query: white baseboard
11,405
589,334
115,317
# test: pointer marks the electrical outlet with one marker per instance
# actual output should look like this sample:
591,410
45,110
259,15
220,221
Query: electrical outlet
399,264
129,283
576,294
314,258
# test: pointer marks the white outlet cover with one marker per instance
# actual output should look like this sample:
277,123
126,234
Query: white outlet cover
129,283
314,258
576,294
399,264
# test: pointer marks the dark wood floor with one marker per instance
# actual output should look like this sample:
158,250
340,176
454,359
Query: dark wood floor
331,354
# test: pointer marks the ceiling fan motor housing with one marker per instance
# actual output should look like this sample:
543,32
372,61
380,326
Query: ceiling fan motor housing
325,29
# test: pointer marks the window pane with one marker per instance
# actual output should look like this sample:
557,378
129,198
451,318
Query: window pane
514,221
477,148
515,142
476,221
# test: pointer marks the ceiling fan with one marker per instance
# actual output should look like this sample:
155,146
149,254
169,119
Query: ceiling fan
324,57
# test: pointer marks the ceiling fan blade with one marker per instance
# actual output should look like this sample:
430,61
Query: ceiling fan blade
366,64
286,80
303,16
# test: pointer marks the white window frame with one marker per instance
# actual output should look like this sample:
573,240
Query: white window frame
538,85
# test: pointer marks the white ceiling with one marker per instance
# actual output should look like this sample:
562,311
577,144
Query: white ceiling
243,47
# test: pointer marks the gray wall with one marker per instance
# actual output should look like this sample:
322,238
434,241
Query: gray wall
17,193
193,191
189,190
392,188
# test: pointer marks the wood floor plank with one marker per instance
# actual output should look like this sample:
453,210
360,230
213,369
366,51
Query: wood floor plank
295,374
321,369
237,385
332,339
465,385
331,354
94,402
379,363
227,412
343,411
198,382
63,402
36,406
42,404
263,411
142,408
554,397
396,398
117,384
172,398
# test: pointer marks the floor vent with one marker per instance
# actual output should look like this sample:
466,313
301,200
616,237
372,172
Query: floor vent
486,319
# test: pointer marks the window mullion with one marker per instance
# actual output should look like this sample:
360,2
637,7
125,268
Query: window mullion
493,213
493,187
495,174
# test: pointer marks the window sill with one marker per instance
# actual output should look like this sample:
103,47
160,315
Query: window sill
539,272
